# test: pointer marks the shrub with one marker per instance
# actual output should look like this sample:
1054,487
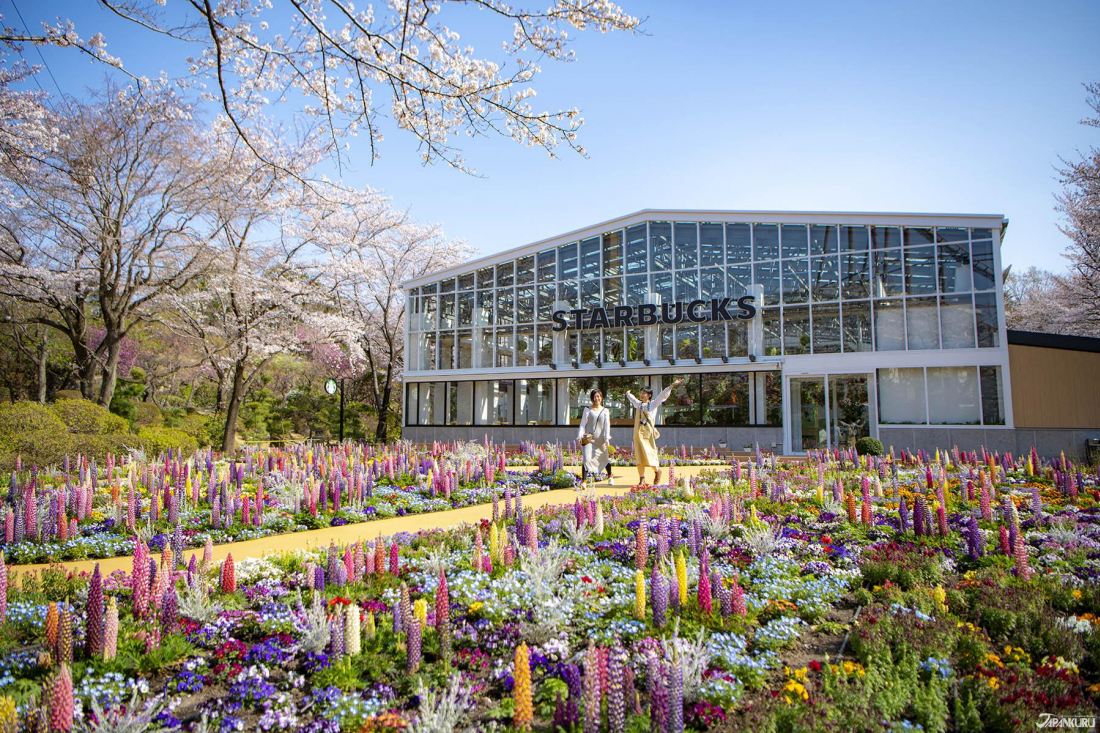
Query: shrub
197,426
24,417
159,440
147,415
82,416
68,394
868,446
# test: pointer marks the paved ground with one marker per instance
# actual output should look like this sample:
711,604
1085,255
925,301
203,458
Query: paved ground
625,477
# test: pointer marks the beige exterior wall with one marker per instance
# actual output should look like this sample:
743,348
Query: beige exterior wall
1054,388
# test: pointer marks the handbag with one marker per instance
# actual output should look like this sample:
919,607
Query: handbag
647,431
586,439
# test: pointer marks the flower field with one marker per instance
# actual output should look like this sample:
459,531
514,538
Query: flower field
80,510
953,592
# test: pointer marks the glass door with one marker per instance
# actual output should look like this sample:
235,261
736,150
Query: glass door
849,409
808,414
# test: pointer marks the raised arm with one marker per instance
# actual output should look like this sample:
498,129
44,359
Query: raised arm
665,394
634,401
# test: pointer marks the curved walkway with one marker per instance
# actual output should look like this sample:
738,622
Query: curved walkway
625,476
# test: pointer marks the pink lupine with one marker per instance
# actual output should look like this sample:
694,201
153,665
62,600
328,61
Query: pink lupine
208,552
738,597
93,637
703,593
986,505
478,549
394,559
229,575
641,546
61,701
3,590
1022,569
1006,548
139,580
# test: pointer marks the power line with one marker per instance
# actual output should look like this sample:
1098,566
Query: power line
49,71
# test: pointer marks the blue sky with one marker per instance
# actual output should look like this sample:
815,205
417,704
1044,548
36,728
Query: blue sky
926,107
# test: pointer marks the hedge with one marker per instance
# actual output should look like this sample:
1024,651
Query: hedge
81,416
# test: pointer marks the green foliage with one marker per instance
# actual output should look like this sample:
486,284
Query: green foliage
147,415
24,417
159,440
868,446
82,416
68,394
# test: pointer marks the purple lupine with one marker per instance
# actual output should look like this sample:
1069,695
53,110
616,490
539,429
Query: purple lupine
616,700
412,662
903,515
94,635
571,674
659,595
591,689
398,625
973,539
676,698
169,609
657,688
318,579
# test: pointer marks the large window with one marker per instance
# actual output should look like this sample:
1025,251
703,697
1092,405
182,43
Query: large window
534,401
726,398
901,396
941,396
493,402
953,396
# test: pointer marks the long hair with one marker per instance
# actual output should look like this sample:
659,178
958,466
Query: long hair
593,393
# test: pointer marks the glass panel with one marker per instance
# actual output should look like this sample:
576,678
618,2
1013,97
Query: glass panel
993,402
590,257
525,346
712,283
920,270
612,345
662,286
637,286
590,346
525,270
957,321
808,428
854,277
918,235
825,278
485,277
466,309
430,312
953,396
796,330
796,281
823,239
738,280
525,305
922,327
506,306
612,293
889,273
568,264
773,399
687,342
590,293
466,282
429,397
613,253
710,245
889,325
773,332
485,302
687,245
447,350
535,402
737,339
447,286
427,351
882,237
767,275
545,345
795,240
412,405
506,356
578,397
849,410
765,241
854,239
447,311
826,329
738,243
951,234
687,285
976,234
635,344
857,326
901,396
460,401
954,261
614,398
726,399
546,266
465,350
569,294
485,352
547,296
713,340
660,245
429,288
636,251
985,308
494,402
667,336
506,274
982,257
682,406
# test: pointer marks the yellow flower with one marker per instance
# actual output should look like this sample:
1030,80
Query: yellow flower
475,607
993,682
798,690
994,660
1076,594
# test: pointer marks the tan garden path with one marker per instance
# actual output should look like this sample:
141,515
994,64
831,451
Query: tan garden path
625,477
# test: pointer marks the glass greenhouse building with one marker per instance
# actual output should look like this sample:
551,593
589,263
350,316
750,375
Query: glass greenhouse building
794,330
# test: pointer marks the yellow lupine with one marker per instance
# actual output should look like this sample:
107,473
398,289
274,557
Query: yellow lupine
420,610
682,578
639,595
523,708
9,717
494,544
940,596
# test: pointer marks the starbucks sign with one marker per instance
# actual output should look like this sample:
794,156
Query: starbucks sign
651,314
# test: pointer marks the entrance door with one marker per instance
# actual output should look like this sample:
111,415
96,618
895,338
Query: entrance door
808,414
849,409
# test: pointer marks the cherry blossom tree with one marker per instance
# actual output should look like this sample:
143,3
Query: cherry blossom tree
344,66
370,249
101,225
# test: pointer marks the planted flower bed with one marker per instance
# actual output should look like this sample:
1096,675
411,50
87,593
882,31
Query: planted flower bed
80,510
926,593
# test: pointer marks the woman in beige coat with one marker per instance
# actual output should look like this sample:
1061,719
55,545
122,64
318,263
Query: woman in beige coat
645,429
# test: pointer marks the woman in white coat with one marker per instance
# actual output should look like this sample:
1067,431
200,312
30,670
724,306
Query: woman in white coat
594,434
645,429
